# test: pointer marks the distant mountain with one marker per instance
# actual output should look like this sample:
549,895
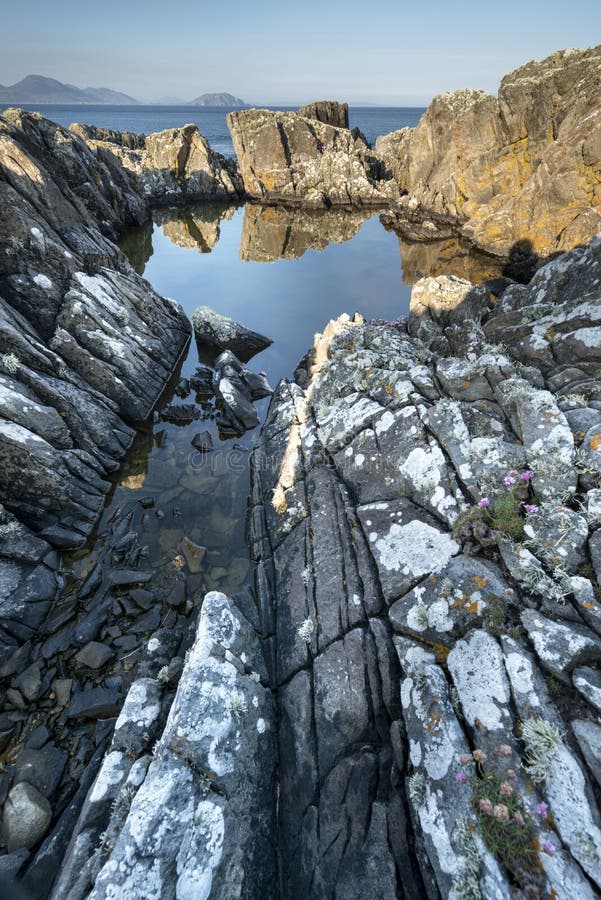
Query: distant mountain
39,89
217,100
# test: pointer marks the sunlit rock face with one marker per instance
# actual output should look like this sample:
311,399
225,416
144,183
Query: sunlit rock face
278,232
286,156
170,165
523,165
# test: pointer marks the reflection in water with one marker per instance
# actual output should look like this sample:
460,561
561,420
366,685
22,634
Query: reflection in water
136,243
195,228
424,254
450,256
278,232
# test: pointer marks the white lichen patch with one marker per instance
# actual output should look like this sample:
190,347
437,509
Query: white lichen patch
476,666
413,549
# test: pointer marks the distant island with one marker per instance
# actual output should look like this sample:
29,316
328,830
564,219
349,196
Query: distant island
217,100
39,89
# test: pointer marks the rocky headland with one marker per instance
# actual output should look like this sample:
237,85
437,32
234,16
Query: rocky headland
405,702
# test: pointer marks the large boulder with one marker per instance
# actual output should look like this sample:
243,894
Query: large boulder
521,166
298,159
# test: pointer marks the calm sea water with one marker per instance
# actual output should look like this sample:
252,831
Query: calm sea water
372,121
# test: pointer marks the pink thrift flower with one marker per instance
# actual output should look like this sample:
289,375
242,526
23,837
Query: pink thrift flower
527,475
509,479
501,813
460,777
485,806
542,810
549,848
479,756
505,750
465,758
514,472
506,789
530,508
484,502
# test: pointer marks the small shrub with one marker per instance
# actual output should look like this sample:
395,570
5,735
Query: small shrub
237,704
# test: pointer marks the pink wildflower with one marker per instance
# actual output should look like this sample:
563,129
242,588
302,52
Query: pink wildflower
501,813
549,848
461,777
542,810
465,758
530,508
506,789
485,806
527,475
479,756
484,502
509,479
505,750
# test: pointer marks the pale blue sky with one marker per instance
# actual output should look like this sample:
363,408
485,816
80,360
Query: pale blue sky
387,52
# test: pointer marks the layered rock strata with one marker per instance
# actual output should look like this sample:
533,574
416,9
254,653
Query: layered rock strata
523,165
86,349
416,644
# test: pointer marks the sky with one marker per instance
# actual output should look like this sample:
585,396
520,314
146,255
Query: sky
267,52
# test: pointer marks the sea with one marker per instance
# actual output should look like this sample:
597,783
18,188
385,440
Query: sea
211,120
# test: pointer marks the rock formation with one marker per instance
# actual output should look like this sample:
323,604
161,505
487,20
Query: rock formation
86,348
168,166
295,159
327,111
525,165
221,332
413,608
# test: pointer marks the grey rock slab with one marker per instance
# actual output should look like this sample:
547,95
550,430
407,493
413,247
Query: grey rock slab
95,703
42,768
27,815
93,655
588,735
588,682
181,837
138,719
560,647
224,333
446,605
406,543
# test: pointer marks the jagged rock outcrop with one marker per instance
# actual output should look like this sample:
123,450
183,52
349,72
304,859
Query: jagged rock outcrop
412,607
280,232
86,349
193,816
330,112
524,165
168,166
291,158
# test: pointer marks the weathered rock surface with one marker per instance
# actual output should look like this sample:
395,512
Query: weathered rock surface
520,167
330,112
196,816
366,521
223,333
296,159
168,166
87,347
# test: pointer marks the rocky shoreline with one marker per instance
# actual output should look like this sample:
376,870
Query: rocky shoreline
406,703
